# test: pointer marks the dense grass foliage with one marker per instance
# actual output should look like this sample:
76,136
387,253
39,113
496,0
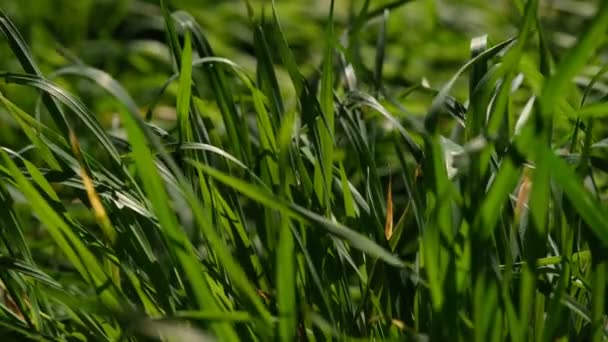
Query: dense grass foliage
281,177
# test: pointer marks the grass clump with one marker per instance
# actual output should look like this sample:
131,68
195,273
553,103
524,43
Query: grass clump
269,198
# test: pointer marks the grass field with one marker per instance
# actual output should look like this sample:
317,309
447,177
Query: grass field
420,170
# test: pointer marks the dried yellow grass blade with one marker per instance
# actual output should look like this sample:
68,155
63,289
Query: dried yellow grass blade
388,227
101,216
98,210
525,187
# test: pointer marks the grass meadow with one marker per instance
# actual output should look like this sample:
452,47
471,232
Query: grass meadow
350,170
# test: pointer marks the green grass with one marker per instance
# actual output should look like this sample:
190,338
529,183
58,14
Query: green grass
186,172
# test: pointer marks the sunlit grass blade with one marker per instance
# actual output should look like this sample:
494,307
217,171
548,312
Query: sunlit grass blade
175,237
140,132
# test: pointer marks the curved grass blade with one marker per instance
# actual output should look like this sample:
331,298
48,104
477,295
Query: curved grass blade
360,98
74,104
8,263
24,56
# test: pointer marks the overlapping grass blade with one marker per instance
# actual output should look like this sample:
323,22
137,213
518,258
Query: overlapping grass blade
355,239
